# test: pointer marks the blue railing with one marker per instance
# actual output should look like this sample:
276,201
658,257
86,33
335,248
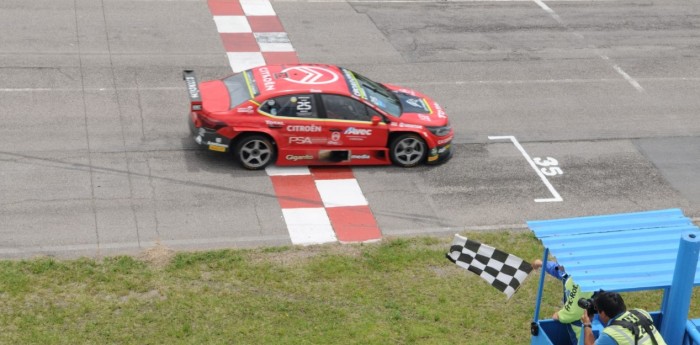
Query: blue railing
692,334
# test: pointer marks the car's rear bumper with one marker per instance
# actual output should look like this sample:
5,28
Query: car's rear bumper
440,154
208,137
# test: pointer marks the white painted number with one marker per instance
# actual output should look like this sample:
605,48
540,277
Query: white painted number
550,166
550,163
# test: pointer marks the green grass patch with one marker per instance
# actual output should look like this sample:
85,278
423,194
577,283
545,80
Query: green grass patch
399,291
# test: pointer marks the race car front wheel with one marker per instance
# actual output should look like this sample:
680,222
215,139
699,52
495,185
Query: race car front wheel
408,150
255,152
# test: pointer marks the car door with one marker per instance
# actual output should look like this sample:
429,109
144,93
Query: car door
352,123
297,121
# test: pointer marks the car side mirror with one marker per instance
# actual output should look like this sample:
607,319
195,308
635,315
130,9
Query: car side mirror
376,120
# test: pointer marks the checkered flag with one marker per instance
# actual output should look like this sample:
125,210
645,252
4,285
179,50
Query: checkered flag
503,271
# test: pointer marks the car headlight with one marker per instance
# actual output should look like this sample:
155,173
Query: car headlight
440,131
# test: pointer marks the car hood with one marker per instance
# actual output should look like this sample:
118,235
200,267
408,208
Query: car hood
418,108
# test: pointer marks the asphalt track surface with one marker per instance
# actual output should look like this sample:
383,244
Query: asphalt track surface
96,158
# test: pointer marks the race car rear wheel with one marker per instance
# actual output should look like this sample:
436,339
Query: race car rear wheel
408,150
255,152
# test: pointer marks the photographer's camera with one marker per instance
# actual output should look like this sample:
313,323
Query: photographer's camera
587,304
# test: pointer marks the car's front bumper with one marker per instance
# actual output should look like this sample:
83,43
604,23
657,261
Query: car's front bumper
208,137
440,154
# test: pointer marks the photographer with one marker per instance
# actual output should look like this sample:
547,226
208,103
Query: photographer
622,327
570,313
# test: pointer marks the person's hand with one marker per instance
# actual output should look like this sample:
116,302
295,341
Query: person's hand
585,319
555,316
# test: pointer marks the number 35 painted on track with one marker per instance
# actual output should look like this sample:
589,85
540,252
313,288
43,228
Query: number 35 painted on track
551,166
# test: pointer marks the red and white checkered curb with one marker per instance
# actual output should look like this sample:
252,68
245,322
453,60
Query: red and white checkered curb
319,205
252,33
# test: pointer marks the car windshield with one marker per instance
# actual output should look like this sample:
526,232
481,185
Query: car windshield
372,91
241,87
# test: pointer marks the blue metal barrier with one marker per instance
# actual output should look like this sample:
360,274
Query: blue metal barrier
626,252
692,332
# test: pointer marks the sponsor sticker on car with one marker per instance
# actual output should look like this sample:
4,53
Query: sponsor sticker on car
355,131
357,134
304,128
299,157
306,140
310,75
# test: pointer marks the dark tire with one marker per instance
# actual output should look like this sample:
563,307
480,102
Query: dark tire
255,152
408,150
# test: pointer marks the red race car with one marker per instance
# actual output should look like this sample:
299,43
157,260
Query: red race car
310,114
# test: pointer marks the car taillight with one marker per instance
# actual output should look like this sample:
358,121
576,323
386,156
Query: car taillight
209,123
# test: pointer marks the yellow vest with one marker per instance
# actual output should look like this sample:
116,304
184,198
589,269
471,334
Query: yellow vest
624,336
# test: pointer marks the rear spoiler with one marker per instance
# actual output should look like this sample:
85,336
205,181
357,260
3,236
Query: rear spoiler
190,79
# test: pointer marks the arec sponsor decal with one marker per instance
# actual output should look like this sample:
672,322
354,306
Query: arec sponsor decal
355,131
304,128
310,75
365,156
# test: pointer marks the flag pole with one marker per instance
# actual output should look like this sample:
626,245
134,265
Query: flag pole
540,290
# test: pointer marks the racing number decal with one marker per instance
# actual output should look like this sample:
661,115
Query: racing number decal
303,104
550,165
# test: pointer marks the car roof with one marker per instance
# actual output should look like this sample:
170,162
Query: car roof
273,80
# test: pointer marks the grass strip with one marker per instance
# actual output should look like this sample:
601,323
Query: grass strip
399,291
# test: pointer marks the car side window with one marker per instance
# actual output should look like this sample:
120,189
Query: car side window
346,108
291,106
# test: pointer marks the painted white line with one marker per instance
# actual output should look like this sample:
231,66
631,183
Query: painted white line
617,68
232,24
555,194
241,61
257,8
308,225
338,193
273,170
629,79
549,10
